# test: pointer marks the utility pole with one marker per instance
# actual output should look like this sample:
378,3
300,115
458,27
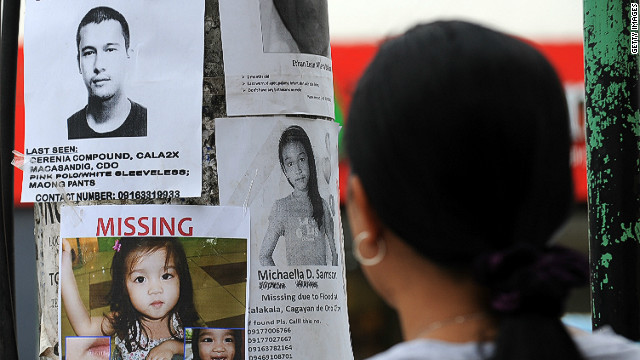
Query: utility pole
613,162
47,215
8,66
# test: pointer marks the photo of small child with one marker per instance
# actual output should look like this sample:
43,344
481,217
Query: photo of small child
303,217
150,297
214,343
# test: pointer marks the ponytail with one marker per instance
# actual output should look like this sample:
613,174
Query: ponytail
528,288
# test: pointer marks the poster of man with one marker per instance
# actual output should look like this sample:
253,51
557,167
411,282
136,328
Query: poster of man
277,58
103,54
113,99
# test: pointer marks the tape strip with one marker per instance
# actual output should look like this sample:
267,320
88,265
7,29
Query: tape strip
18,159
65,199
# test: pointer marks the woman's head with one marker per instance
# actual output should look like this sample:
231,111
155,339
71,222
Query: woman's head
296,158
460,138
150,281
219,344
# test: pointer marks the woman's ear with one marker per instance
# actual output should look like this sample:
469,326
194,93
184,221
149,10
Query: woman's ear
361,216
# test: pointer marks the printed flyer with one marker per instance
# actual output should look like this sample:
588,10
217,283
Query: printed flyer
277,58
151,280
286,172
113,99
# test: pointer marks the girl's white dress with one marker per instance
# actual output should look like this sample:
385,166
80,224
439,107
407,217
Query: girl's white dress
121,352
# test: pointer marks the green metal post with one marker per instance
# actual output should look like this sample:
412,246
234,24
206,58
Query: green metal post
613,162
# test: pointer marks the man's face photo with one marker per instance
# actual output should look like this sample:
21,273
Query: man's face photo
103,58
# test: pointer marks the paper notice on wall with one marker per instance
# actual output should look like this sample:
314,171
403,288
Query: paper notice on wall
277,57
286,171
134,278
113,99
48,230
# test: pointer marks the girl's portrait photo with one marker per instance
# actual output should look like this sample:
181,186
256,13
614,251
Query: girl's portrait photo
142,292
286,172
214,344
303,218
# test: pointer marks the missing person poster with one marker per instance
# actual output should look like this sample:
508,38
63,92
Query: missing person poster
277,57
286,172
113,99
135,280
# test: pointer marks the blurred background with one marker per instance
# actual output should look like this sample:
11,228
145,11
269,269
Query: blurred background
357,28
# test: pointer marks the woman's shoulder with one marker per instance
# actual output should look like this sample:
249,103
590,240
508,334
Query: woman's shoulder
601,345
424,349
605,344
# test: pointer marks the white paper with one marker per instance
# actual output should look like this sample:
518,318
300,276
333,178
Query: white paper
297,303
214,240
162,73
266,72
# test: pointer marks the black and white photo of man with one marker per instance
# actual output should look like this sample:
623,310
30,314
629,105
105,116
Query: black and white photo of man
102,41
295,26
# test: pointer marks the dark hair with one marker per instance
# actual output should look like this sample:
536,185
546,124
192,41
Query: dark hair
460,137
295,134
124,318
238,343
100,14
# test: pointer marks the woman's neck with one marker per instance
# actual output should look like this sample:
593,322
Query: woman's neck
447,317
439,305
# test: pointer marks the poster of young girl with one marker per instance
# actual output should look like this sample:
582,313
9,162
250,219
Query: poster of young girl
138,275
286,171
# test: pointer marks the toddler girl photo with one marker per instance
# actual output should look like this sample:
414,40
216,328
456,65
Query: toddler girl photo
214,343
150,297
150,300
